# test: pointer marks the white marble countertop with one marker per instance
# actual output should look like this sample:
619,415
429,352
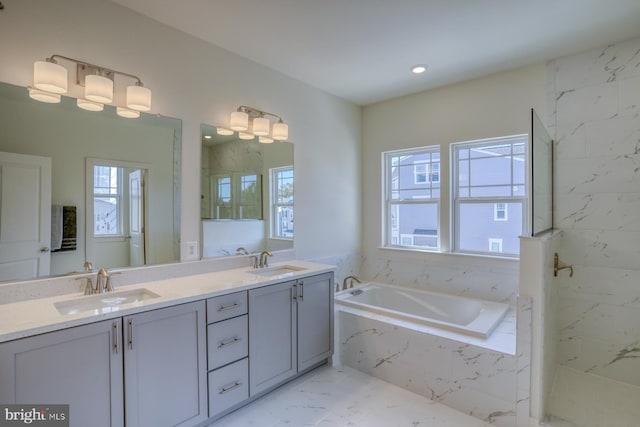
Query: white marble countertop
37,316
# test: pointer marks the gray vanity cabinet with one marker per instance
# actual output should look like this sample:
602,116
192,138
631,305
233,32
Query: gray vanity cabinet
165,366
315,320
290,329
80,366
155,368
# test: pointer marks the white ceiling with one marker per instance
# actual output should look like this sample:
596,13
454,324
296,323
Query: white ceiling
362,50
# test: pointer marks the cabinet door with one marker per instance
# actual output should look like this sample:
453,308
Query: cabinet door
315,319
272,336
80,366
165,372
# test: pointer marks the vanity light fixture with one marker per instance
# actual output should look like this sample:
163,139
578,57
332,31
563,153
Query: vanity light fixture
418,69
42,96
50,80
224,131
85,104
260,125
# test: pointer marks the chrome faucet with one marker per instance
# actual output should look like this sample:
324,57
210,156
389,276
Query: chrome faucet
352,278
103,276
242,251
263,258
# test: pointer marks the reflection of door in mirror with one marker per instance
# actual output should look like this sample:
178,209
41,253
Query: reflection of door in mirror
116,218
136,218
25,216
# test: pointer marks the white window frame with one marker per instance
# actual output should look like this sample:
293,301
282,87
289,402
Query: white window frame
497,210
457,200
391,236
275,205
119,233
492,241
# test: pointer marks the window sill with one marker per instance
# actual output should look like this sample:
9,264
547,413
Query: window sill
453,254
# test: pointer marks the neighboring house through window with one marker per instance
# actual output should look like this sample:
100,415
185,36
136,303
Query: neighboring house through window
412,198
488,194
107,201
282,202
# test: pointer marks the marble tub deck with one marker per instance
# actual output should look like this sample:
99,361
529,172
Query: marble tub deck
341,396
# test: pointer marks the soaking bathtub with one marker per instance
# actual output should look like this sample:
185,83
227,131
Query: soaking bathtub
464,315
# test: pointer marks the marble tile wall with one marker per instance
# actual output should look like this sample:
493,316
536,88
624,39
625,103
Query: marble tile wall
491,279
596,117
487,384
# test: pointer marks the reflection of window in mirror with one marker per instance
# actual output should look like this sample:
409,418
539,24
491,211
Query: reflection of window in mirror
107,203
282,202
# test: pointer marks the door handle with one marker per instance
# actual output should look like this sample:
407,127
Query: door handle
44,249
130,333
114,336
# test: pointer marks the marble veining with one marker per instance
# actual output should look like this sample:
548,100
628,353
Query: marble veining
460,372
596,117
342,396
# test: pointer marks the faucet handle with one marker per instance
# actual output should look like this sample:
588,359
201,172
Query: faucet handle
108,287
88,285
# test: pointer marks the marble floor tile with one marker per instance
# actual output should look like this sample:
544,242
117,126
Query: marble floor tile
341,396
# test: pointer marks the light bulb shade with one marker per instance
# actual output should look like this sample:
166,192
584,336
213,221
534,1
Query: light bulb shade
265,140
127,113
138,98
280,131
42,96
50,77
246,136
224,131
98,89
261,126
85,104
239,121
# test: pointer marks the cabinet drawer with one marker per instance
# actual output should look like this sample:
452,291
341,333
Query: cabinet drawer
227,341
228,386
226,306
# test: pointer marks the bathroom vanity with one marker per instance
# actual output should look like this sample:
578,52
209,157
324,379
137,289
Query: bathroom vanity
171,352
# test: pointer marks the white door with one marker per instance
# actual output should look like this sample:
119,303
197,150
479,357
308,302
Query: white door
136,218
25,216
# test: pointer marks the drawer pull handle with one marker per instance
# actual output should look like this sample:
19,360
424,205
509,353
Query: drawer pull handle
233,340
229,307
230,387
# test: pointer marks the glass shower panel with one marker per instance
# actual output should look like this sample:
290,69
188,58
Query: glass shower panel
541,177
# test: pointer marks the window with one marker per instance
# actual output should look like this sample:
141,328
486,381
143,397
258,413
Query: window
495,245
282,202
412,198
107,201
500,212
489,195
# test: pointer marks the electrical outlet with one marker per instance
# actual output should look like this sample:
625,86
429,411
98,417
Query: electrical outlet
190,251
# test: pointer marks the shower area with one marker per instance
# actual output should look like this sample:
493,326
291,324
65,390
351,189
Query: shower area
585,360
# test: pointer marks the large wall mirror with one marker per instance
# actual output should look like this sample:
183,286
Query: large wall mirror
79,186
246,194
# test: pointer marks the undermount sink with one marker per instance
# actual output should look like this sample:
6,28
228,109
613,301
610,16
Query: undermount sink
277,270
104,303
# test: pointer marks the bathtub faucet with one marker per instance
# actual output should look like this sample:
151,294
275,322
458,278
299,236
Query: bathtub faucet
352,278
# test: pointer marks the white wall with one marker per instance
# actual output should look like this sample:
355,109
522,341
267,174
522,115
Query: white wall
492,106
200,83
596,113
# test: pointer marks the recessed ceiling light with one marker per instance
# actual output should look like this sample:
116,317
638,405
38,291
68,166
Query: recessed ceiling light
418,69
